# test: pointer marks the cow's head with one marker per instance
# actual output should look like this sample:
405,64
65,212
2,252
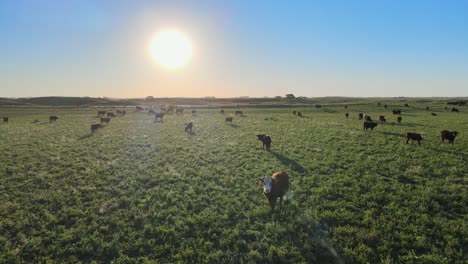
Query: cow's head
423,135
260,136
454,133
267,182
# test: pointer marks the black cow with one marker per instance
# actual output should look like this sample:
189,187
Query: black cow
53,119
406,105
95,127
455,109
396,112
5,119
367,118
105,120
360,116
370,125
385,106
299,114
266,140
434,114
450,136
347,115
382,119
399,119
188,127
294,112
101,113
415,136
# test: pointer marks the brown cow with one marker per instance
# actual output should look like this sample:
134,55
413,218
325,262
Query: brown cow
101,113
239,113
275,186
53,119
5,119
415,136
347,115
370,125
266,140
228,120
188,127
221,111
159,116
105,120
382,119
450,136
95,127
179,111
139,108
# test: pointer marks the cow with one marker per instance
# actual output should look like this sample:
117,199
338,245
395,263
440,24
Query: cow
188,127
399,119
228,120
110,114
415,136
345,107
427,108
378,104
370,125
118,111
294,112
385,106
406,105
239,113
367,118
382,119
347,115
53,119
179,111
360,116
299,114
194,112
434,114
318,106
450,136
124,112
159,116
266,140
455,109
396,112
139,108
151,112
446,108
105,120
101,113
221,111
275,186
5,119
95,127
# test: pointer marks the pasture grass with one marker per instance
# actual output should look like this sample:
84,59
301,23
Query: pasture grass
139,191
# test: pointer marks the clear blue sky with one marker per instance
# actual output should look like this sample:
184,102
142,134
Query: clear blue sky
253,48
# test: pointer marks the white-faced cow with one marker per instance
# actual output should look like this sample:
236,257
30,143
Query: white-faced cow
275,186
399,119
415,136
266,140
396,112
450,136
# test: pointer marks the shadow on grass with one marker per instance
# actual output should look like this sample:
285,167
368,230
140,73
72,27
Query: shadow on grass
289,162
86,136
329,111
392,134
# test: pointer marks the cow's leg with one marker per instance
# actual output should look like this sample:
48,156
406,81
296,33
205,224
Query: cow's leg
407,140
419,142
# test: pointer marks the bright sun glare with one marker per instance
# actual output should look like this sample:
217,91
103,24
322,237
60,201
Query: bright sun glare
171,49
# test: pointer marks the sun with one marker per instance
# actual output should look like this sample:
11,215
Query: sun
171,49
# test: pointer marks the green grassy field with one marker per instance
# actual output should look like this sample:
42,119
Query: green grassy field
139,191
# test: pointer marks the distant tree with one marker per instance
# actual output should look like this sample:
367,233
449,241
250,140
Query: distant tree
290,96
278,97
149,98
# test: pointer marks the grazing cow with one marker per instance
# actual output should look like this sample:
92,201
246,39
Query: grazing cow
382,119
139,108
110,114
188,127
427,107
239,113
399,119
105,120
361,116
378,104
385,106
53,119
266,140
228,120
347,115
367,118
299,114
434,114
396,112
415,136
318,106
450,136
275,186
370,125
455,109
101,113
446,108
345,107
95,127
179,111
5,119
294,112
406,105
194,112
221,111
159,116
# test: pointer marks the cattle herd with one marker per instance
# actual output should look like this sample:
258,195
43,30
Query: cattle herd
277,185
